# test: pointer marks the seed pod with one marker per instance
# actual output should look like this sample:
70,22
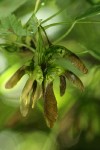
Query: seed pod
25,96
52,73
24,105
77,62
27,88
74,79
37,93
64,52
62,85
38,74
15,78
50,106
73,58
34,88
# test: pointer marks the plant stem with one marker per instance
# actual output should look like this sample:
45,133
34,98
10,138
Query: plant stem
21,44
55,24
46,36
66,33
84,22
52,16
41,46
63,23
36,6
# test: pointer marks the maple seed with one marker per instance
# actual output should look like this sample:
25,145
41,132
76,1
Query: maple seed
50,106
62,85
24,105
26,96
37,94
43,70
74,79
15,78
78,63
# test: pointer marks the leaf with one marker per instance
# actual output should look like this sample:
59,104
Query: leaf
11,25
15,78
32,25
62,85
9,6
95,10
50,106
74,79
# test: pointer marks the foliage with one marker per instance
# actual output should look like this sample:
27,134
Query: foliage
49,64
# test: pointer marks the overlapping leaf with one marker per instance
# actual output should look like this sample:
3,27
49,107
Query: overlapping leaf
32,25
11,25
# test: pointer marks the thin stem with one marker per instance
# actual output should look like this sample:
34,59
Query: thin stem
60,23
20,44
54,24
66,33
36,6
52,16
41,46
46,36
88,22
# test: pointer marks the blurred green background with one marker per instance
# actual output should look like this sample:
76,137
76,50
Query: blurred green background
78,123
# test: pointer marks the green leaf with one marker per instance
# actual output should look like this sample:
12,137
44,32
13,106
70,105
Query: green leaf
11,25
9,6
32,25
91,42
95,10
